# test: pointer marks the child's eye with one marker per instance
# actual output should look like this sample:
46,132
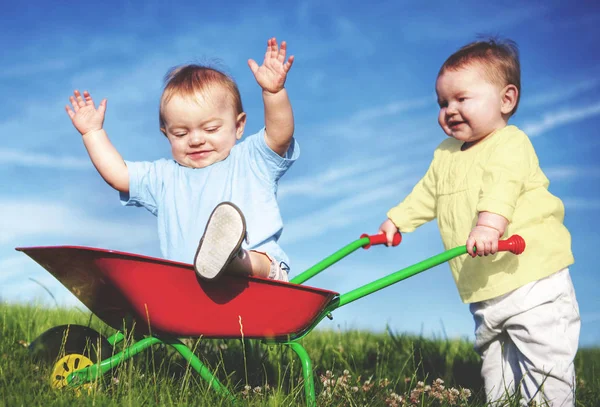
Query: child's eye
212,129
462,99
179,134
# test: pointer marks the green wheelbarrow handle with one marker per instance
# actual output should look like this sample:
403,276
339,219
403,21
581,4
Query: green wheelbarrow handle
514,244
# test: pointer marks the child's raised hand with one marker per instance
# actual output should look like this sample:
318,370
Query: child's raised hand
485,239
389,229
83,114
272,73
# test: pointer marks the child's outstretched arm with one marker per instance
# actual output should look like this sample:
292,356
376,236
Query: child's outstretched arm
271,76
484,236
89,121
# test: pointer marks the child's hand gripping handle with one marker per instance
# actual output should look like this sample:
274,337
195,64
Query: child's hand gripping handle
514,244
381,238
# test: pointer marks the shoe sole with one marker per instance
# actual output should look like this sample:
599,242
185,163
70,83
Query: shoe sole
221,241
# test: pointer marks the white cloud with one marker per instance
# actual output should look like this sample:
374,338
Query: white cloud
558,118
20,221
12,266
560,93
569,172
391,120
63,47
42,118
392,109
34,287
342,213
351,177
581,203
37,67
30,159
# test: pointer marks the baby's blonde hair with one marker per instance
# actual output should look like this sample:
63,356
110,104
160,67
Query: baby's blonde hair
191,80
499,60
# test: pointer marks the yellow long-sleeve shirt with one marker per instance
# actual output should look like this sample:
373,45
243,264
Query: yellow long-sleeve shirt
500,174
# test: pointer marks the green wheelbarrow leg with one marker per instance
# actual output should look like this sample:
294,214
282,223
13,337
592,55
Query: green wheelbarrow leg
199,367
115,338
307,373
96,370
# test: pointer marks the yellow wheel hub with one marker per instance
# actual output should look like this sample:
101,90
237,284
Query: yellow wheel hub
67,365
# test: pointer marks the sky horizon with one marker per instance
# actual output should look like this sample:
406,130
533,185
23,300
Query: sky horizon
362,90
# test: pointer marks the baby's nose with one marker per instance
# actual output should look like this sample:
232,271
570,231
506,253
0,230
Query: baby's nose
196,137
451,109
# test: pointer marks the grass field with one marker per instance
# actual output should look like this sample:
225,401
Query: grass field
352,368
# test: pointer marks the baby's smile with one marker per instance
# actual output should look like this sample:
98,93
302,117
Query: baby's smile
199,155
455,124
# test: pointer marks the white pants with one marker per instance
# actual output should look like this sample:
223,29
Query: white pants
528,339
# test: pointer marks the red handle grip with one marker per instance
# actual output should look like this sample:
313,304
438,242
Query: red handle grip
514,244
381,238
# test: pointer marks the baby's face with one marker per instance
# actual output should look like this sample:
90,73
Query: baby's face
470,104
202,130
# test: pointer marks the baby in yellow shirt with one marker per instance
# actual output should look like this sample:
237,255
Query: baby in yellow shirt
485,182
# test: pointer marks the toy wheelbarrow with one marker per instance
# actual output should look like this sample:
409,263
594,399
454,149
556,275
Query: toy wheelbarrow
165,301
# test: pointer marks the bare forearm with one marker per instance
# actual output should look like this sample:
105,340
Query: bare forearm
492,220
107,160
279,120
484,236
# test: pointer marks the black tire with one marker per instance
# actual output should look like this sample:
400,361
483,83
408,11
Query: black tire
70,339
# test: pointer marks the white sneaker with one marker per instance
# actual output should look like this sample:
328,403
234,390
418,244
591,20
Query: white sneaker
221,242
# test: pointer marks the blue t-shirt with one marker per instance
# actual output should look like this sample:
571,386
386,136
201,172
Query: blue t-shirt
183,198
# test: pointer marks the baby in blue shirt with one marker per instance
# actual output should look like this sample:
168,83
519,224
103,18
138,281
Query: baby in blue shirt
214,189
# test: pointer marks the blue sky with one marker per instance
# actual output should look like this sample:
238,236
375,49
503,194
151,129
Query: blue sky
362,88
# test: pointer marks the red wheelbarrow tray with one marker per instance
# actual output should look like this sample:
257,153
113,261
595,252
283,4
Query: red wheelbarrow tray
166,297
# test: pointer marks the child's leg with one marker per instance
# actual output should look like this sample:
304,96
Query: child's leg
499,368
540,322
547,337
250,263
256,263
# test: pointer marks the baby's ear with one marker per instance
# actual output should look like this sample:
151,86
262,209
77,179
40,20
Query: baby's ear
163,131
240,124
510,97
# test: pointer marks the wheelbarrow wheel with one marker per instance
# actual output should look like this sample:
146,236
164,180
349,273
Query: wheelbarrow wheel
67,348
66,365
